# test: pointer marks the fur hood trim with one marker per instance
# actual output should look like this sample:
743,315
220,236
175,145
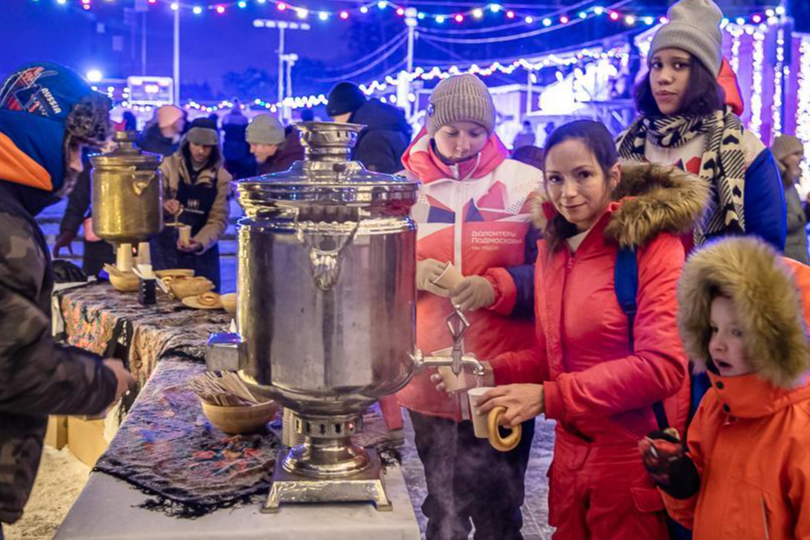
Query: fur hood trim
768,302
650,199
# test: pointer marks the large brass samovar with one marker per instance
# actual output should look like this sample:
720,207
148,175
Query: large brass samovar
127,192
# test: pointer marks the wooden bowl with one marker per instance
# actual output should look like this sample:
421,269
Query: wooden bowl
228,302
183,287
175,272
239,420
124,282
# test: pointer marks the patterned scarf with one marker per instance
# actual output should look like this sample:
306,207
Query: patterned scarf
722,164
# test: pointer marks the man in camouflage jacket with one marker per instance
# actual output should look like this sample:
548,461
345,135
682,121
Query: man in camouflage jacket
47,115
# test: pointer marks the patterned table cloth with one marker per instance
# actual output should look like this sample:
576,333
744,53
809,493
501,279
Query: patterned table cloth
165,446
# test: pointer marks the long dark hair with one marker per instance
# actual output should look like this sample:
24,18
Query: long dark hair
599,142
703,96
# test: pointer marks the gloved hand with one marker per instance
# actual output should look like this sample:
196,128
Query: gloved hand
427,271
474,292
64,240
662,453
67,272
660,450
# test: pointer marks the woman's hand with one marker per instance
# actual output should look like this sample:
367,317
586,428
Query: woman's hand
191,247
172,207
522,402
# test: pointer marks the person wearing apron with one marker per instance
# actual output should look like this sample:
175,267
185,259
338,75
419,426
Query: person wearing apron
196,189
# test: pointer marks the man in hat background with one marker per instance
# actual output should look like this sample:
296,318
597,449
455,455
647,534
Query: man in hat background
789,153
196,187
387,134
274,147
48,113
162,135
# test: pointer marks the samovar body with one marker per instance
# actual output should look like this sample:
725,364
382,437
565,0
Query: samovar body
127,193
326,287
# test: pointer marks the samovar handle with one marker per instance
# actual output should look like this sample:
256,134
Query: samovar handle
325,262
139,185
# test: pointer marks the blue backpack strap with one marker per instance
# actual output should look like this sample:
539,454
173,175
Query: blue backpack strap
626,286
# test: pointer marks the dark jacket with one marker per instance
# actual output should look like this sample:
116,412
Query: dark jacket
290,152
153,141
386,137
38,377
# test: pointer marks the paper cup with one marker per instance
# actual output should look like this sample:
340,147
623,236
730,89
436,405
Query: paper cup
449,278
452,382
123,258
185,234
144,255
479,422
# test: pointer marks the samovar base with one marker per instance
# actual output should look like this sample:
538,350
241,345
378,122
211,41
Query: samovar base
365,486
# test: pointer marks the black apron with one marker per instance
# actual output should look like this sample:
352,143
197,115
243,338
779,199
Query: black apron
197,200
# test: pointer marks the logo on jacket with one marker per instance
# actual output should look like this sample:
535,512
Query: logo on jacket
24,93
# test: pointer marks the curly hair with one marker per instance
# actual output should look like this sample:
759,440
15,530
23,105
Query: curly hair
89,120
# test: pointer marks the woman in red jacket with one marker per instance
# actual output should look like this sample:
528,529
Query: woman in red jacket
585,372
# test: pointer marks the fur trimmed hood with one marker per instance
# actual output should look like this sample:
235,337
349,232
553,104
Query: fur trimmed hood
650,199
772,298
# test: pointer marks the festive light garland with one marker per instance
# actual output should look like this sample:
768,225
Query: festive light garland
803,101
778,75
493,9
755,125
557,59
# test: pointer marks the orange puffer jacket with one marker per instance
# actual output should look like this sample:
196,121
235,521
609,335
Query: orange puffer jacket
750,438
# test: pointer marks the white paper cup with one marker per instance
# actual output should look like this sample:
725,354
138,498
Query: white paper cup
144,255
123,258
479,422
185,234
449,278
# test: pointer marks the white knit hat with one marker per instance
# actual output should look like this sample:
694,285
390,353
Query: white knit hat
694,26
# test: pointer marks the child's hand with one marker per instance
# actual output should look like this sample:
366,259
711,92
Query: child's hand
661,452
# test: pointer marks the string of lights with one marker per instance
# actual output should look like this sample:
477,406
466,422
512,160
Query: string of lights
489,11
803,100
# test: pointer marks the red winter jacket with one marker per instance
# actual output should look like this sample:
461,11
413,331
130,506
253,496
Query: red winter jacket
596,386
474,215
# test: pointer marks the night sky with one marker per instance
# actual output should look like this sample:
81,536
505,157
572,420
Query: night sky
212,45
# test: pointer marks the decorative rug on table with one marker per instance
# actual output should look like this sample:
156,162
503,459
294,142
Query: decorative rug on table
167,449
168,327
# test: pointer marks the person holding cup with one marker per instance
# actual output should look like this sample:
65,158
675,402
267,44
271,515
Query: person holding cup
473,225
196,187
591,371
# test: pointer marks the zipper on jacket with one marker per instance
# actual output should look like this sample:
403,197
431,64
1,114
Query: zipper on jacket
765,518
458,225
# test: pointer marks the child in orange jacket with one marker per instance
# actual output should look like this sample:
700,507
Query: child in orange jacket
746,474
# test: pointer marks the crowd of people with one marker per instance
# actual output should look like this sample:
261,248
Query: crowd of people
683,411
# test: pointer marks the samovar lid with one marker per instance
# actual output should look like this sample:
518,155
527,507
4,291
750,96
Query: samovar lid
326,175
125,154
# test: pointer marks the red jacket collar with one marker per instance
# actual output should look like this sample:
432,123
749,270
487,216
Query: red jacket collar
421,160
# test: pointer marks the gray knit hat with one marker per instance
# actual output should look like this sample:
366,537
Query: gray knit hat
786,145
460,98
203,136
694,26
265,129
